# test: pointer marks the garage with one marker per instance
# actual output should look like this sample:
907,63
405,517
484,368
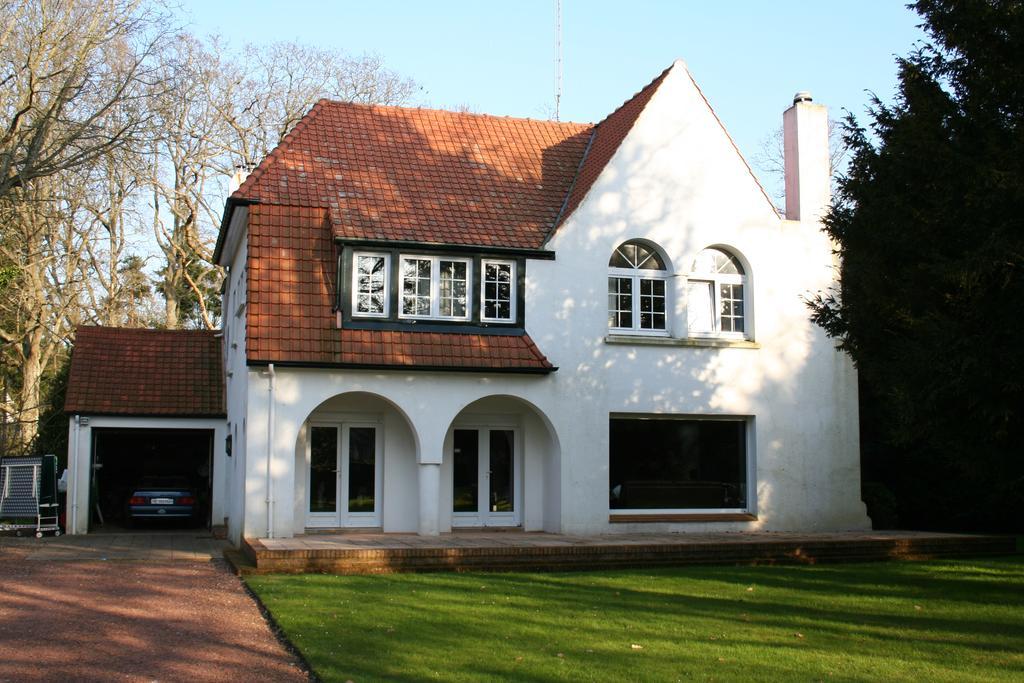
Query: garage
147,444
126,460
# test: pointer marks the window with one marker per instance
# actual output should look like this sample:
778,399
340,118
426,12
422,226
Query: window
716,304
678,464
434,287
498,291
637,290
370,284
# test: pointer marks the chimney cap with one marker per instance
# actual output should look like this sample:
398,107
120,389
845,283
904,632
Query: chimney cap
802,96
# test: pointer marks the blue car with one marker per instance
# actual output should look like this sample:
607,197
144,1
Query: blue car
162,497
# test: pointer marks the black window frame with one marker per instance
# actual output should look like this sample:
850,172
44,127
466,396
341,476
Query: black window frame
393,321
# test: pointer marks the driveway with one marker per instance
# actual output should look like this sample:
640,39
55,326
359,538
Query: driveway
88,609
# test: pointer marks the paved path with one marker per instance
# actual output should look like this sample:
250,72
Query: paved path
148,612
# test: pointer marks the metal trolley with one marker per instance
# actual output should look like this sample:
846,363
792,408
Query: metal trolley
28,490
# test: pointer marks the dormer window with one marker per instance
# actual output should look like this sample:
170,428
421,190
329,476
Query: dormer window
370,284
434,287
637,290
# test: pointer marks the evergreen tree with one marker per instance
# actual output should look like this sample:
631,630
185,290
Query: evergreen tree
929,222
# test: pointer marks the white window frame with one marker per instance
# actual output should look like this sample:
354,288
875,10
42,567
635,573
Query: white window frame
435,287
513,291
636,276
356,313
341,517
716,280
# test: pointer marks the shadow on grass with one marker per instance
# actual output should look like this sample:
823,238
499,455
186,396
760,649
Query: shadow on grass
872,620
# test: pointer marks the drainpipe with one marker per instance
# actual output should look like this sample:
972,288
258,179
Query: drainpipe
74,479
270,453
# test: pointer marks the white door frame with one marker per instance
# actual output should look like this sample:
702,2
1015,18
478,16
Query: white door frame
483,517
341,517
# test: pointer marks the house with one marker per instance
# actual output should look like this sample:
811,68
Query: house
436,320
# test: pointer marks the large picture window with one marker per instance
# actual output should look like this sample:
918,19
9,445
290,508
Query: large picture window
716,296
637,290
672,464
434,287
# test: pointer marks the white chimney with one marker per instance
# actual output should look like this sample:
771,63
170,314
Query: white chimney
242,172
808,166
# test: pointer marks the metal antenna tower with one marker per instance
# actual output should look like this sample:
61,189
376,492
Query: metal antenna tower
558,56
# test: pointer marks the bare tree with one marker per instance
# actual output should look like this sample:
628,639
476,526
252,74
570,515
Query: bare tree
43,242
64,67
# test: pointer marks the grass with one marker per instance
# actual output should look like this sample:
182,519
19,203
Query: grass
911,621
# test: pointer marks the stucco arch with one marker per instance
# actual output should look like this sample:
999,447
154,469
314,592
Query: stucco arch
538,461
398,448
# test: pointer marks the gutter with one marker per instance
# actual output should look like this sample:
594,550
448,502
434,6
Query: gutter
74,482
225,223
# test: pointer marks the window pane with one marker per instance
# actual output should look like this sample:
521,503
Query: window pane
716,261
323,469
416,286
677,464
465,471
501,494
498,291
620,302
362,469
652,299
732,307
452,288
369,292
636,256
700,308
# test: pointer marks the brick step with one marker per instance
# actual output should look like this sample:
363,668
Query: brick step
567,558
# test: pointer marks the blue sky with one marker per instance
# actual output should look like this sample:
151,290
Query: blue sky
497,57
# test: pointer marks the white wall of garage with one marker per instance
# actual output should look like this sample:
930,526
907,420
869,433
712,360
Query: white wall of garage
80,455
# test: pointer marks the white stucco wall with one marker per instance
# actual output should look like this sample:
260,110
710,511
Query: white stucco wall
236,375
678,182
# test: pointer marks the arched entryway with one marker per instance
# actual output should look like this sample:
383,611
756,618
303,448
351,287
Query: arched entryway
501,468
355,465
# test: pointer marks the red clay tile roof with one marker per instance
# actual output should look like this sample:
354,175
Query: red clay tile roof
388,348
290,316
423,175
608,135
166,373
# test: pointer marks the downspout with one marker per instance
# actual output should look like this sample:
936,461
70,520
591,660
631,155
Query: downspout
270,453
74,479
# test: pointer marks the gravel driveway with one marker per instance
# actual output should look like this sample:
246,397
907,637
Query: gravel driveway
88,620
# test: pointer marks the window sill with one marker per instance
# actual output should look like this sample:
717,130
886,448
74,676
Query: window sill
641,340
687,517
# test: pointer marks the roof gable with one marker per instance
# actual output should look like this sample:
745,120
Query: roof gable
608,136
165,373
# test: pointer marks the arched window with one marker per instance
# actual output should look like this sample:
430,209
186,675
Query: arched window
637,290
716,302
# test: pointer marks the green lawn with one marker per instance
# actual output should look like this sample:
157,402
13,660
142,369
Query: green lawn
910,621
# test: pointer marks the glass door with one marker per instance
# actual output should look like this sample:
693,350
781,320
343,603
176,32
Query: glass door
485,479
345,482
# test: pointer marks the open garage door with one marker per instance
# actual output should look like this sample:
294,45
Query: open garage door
127,460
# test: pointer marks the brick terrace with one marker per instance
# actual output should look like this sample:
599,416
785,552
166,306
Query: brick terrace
370,553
